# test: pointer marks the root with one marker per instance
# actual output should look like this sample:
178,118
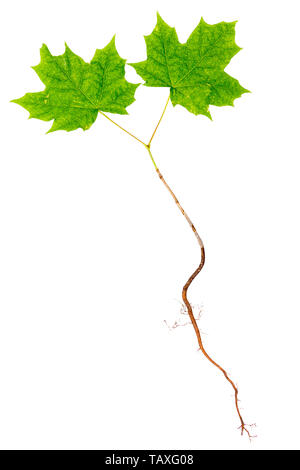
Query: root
243,426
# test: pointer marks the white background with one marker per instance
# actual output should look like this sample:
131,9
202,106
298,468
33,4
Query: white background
94,252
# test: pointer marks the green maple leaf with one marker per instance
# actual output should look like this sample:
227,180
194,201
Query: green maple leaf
193,71
76,91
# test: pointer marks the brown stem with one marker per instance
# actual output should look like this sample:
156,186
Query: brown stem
190,310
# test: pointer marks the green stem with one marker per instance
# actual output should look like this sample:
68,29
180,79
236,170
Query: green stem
151,156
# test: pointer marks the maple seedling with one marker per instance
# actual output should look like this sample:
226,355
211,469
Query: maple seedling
76,92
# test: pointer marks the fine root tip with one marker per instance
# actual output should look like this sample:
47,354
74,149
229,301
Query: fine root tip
243,429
